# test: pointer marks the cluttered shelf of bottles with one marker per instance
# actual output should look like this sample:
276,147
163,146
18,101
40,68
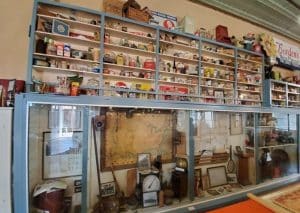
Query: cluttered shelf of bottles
154,173
134,60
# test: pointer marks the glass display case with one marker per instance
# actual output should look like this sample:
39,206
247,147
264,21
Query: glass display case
82,154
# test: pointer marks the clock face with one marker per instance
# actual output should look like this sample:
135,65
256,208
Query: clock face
151,183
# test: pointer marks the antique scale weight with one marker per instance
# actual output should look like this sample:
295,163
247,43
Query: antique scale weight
150,185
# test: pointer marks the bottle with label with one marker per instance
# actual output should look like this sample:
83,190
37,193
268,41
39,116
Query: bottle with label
138,63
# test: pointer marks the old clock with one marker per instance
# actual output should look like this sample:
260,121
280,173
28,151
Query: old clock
150,185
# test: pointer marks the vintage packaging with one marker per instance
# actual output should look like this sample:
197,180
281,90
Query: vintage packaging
164,20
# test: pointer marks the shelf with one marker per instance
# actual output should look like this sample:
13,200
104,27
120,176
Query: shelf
249,100
293,101
179,58
216,53
119,48
127,67
274,99
67,39
56,70
127,77
249,147
179,74
72,23
249,91
294,93
245,83
280,145
169,82
66,58
129,35
266,126
249,71
213,97
218,65
220,88
249,60
279,91
180,45
218,79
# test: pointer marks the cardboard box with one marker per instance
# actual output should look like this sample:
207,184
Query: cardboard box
164,20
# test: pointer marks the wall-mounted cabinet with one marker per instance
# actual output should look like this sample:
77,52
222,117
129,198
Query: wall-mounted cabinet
115,56
282,94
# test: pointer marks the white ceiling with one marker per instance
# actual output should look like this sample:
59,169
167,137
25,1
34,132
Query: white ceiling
281,16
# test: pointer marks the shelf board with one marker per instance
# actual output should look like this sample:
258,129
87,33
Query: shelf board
274,99
66,58
249,60
216,87
217,79
68,39
249,147
249,71
249,100
168,82
249,91
279,91
179,58
216,53
245,83
72,23
280,145
213,97
178,74
127,67
179,45
293,101
294,93
130,35
217,65
266,126
56,70
134,50
127,77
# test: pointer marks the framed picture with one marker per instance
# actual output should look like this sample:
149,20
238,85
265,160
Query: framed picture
150,199
144,161
217,176
219,95
60,27
108,189
62,154
236,124
232,178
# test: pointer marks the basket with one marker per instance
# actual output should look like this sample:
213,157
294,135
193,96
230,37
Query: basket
138,15
113,6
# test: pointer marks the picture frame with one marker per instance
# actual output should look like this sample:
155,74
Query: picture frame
62,154
150,199
108,189
217,176
144,161
219,95
236,124
232,178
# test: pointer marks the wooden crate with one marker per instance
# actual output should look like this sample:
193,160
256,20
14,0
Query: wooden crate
113,6
138,15
216,158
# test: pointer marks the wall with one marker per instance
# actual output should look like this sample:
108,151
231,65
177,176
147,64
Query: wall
15,17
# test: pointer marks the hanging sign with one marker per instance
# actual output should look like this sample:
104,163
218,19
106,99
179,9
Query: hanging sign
288,55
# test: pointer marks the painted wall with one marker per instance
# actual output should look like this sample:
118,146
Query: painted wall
15,17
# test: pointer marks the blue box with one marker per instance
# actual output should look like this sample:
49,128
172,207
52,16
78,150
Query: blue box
60,27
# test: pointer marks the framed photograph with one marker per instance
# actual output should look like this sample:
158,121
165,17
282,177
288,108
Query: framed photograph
236,124
150,199
108,189
144,161
62,154
62,117
217,176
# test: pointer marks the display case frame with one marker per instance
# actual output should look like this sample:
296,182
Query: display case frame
21,169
